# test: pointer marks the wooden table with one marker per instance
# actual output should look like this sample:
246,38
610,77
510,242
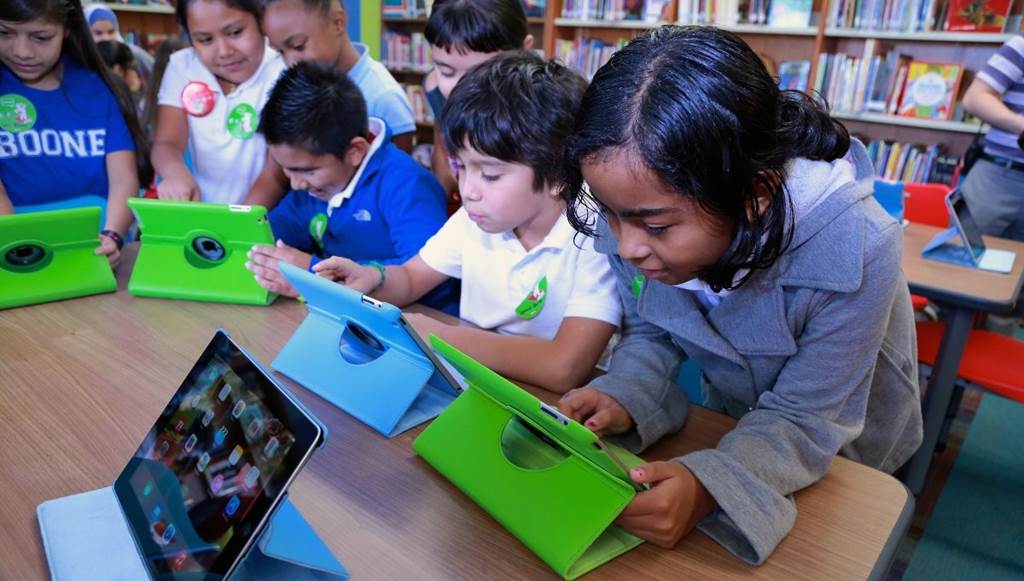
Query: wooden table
961,291
81,382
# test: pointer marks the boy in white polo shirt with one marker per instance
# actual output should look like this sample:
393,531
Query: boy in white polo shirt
544,300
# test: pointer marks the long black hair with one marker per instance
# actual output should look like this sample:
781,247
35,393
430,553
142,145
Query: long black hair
78,45
702,112
477,25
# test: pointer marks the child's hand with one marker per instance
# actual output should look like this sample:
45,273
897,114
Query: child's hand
425,325
596,410
178,188
263,263
109,249
344,271
676,502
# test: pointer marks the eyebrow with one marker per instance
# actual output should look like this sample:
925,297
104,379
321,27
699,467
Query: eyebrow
310,168
646,212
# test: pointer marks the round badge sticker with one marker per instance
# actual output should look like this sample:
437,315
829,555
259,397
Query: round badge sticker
198,99
242,121
16,113
636,286
317,228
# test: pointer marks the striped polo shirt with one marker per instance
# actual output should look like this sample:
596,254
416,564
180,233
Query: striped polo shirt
1004,72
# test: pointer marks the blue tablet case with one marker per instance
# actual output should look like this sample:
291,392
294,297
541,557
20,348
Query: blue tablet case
360,358
86,538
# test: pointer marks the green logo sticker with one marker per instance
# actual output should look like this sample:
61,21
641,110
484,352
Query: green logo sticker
242,121
317,229
16,113
533,304
637,285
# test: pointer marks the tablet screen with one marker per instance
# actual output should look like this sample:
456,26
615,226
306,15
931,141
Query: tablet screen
213,466
967,224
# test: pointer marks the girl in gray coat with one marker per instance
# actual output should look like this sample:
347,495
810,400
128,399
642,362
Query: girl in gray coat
741,227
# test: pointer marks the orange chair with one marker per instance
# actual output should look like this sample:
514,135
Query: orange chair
925,204
991,360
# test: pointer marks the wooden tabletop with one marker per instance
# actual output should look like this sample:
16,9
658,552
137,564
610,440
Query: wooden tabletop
960,285
81,382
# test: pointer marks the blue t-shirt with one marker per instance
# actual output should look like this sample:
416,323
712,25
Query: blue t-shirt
53,144
385,98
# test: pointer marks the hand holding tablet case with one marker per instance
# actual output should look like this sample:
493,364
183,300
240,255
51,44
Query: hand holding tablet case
49,256
534,470
356,354
197,251
86,538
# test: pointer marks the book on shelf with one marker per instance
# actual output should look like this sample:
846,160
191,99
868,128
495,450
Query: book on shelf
405,8
535,8
586,55
618,10
405,51
725,12
793,75
931,89
789,13
421,111
977,15
912,163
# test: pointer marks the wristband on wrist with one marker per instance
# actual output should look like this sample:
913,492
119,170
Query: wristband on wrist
383,275
113,236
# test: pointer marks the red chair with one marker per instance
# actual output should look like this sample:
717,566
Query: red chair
925,204
991,360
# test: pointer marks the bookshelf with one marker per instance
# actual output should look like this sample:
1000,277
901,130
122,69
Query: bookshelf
140,20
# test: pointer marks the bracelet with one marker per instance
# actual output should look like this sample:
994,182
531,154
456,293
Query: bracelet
113,236
383,275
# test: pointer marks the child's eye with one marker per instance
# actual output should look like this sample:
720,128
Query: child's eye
46,38
488,178
234,33
655,230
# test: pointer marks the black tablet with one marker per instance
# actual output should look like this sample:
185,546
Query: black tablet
213,468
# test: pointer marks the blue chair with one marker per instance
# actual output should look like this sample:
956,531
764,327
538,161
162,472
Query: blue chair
890,197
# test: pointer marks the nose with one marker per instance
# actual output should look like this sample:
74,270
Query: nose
224,47
632,244
298,183
468,188
22,48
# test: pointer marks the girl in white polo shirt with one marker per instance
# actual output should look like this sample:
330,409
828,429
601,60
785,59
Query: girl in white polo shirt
544,300
210,101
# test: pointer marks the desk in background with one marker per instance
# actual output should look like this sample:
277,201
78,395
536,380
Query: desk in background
81,381
961,292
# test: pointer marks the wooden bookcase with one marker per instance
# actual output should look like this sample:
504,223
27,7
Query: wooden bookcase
142,19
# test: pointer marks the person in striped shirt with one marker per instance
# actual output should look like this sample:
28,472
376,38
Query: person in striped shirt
994,187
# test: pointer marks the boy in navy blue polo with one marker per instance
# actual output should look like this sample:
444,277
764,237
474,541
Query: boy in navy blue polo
354,193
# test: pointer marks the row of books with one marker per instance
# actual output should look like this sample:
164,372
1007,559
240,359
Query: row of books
405,51
772,13
891,83
618,10
913,163
421,110
921,15
586,55
421,8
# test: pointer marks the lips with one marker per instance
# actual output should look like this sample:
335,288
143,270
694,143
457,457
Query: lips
24,68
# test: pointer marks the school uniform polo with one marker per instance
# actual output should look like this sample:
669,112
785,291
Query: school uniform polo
518,292
385,98
54,144
227,154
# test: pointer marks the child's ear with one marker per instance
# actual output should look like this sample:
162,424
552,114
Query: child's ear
339,19
356,152
762,194
528,42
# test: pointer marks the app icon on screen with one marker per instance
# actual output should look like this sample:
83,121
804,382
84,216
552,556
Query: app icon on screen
158,509
207,418
222,432
180,559
168,533
224,392
179,426
251,477
147,489
271,447
232,507
196,400
204,460
191,442
235,455
163,448
238,409
217,483
254,429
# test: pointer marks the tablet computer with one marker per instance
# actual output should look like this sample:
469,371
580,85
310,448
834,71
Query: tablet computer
372,324
197,251
544,420
49,256
207,477
973,247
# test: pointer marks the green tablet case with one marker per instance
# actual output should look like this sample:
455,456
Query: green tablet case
539,473
197,251
48,256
